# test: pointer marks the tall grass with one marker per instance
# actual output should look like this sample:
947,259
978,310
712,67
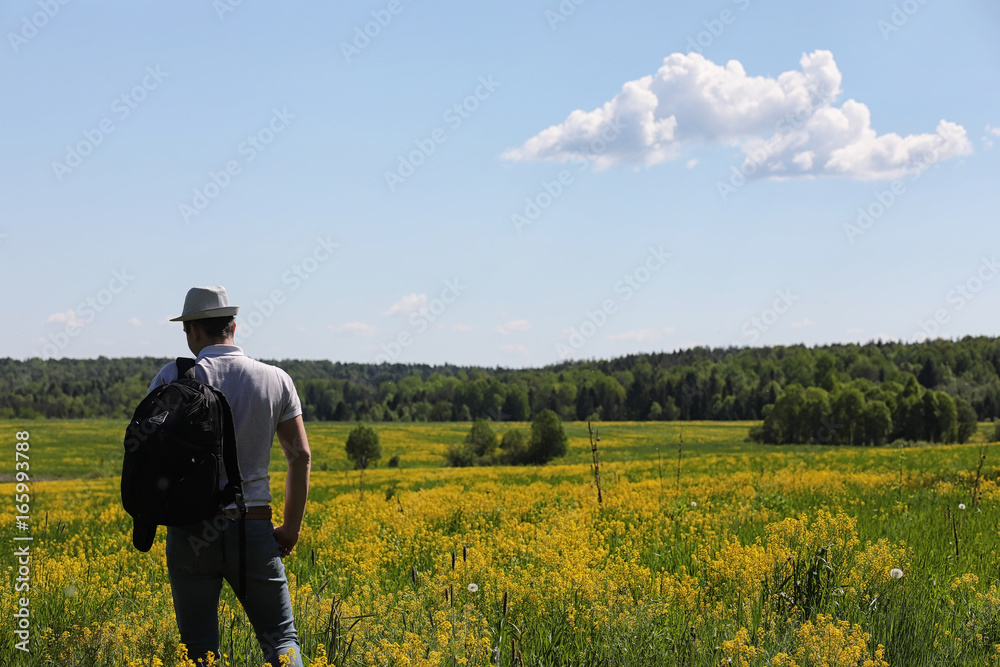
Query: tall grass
764,556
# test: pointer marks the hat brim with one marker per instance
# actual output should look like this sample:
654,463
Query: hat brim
223,311
143,535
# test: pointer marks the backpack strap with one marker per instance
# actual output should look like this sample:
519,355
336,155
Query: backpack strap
234,487
185,367
233,493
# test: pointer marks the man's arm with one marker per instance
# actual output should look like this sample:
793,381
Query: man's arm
294,443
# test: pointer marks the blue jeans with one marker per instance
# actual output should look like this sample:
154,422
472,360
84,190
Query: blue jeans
200,557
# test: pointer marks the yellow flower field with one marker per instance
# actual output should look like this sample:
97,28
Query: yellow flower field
740,554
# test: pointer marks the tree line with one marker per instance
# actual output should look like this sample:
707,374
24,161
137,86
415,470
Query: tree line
864,413
694,384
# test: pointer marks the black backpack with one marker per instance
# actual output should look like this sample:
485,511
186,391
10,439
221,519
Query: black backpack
179,441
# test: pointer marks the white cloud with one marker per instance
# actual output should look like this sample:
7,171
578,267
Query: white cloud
69,317
412,303
786,126
855,330
135,322
692,163
356,329
515,325
803,323
990,133
515,349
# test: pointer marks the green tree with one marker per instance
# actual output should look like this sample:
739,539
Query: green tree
363,446
848,409
481,439
816,413
548,439
513,447
876,423
968,422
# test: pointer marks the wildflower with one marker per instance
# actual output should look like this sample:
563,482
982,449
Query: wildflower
961,506
694,504
473,588
896,573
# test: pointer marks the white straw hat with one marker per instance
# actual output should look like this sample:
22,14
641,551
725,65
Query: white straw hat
204,302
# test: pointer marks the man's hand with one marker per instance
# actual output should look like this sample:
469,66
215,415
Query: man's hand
286,540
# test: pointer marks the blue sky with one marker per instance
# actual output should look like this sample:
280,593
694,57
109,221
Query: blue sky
493,183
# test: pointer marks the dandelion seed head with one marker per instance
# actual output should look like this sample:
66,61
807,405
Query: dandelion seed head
694,504
473,588
961,506
896,573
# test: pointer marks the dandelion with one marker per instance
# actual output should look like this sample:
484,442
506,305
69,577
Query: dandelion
896,573
961,506
473,588
694,504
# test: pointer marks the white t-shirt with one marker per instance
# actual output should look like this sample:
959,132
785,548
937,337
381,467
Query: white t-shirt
261,396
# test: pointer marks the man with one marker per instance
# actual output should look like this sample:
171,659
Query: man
264,403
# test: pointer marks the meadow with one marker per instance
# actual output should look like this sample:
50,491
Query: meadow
734,553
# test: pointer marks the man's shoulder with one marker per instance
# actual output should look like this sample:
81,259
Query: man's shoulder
263,368
166,375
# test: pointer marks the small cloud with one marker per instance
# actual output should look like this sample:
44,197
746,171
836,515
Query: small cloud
355,329
990,133
803,323
855,331
515,349
515,325
135,322
692,163
69,317
408,305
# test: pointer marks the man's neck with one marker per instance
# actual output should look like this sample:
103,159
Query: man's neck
217,341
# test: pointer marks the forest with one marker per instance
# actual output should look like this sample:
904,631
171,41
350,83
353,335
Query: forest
693,384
